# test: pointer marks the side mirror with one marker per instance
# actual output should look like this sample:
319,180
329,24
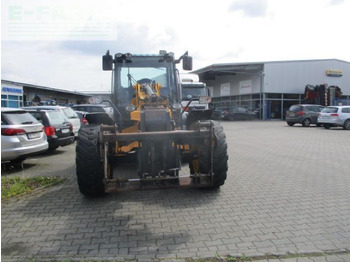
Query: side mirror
187,63
107,62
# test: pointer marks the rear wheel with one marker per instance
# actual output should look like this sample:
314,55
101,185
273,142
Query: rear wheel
306,122
89,167
327,127
346,125
219,159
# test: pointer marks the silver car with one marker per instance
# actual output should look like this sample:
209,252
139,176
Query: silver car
21,135
333,116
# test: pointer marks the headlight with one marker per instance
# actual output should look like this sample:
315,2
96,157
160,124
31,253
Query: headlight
204,99
130,108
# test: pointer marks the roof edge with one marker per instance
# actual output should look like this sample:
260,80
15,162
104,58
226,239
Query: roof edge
43,87
212,66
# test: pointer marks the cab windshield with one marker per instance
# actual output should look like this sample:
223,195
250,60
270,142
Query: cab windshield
141,70
193,92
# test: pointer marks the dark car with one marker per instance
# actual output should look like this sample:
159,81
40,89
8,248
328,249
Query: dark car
69,112
304,114
94,108
237,113
82,118
216,114
58,129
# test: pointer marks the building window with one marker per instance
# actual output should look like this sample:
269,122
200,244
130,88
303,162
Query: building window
273,96
291,96
11,101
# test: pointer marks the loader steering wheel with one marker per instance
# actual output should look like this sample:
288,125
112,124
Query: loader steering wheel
144,81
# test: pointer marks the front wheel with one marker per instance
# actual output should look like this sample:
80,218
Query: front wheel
219,159
290,123
89,167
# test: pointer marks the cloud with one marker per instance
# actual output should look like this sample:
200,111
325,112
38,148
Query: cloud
250,8
45,64
335,2
132,38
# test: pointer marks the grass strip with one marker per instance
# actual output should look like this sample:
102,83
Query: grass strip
15,186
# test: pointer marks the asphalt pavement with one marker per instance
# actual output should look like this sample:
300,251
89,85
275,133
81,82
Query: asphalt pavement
286,198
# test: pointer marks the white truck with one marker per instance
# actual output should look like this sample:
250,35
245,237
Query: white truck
195,99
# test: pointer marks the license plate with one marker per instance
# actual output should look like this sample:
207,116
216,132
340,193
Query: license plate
33,135
65,130
291,114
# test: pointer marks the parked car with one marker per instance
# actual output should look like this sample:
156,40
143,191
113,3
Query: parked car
216,114
82,118
21,135
237,113
94,108
333,116
58,129
69,112
304,114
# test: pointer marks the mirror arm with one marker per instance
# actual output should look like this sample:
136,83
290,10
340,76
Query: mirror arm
181,57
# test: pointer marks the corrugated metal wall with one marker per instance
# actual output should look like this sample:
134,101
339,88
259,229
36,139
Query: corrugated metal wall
293,76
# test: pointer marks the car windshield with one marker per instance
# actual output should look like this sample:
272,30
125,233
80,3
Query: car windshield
330,110
56,117
18,118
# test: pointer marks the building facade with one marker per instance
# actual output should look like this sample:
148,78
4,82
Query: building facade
15,94
11,95
270,88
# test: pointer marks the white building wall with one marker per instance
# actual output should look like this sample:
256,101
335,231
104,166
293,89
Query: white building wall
293,76
235,84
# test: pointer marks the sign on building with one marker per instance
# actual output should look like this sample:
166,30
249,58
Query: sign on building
11,96
245,87
225,89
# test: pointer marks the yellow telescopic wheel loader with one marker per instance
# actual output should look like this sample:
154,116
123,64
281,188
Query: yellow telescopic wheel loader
147,132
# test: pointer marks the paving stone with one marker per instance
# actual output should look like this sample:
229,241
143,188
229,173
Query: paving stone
284,193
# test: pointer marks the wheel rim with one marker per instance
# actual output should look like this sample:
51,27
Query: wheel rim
307,122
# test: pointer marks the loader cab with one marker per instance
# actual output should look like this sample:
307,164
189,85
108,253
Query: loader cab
129,70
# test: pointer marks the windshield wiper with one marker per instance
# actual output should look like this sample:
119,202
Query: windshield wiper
26,123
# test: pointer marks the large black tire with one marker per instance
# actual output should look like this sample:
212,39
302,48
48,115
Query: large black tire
346,125
89,167
220,156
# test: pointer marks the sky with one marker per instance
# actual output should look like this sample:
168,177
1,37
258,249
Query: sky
60,43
